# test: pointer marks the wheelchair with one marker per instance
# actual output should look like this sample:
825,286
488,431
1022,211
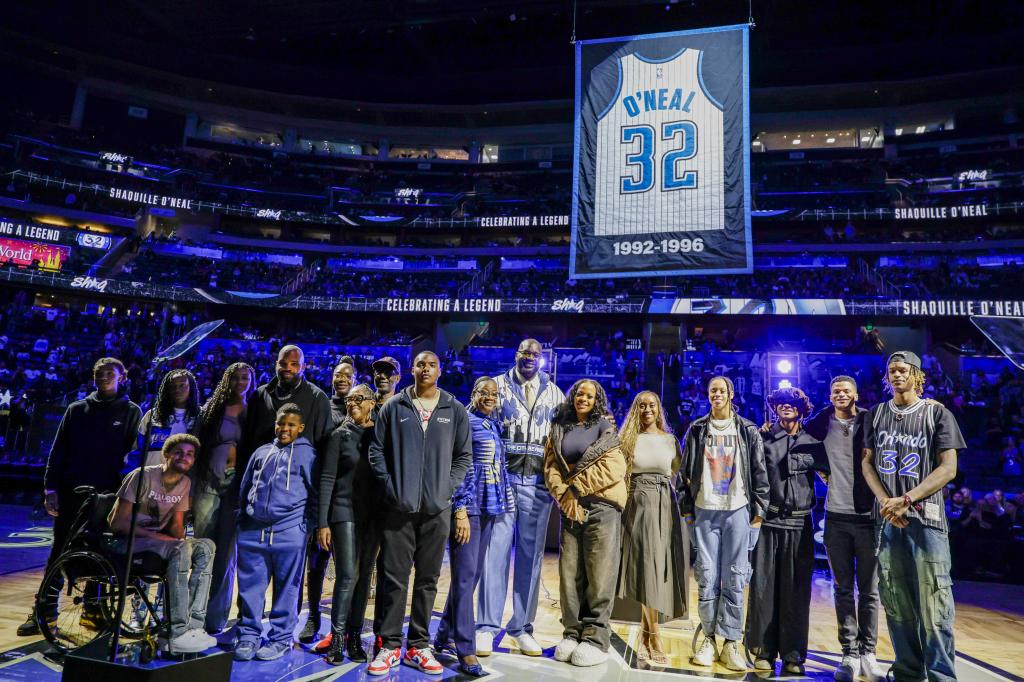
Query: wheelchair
77,600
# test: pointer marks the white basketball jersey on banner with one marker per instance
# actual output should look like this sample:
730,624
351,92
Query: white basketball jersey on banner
660,151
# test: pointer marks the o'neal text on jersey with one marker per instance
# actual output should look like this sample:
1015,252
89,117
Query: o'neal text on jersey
657,100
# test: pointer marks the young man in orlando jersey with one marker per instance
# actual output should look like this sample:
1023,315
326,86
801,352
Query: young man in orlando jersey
910,451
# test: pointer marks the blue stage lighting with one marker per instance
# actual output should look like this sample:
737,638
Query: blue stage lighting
784,366
785,383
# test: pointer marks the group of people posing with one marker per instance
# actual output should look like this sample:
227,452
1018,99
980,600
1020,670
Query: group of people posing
280,478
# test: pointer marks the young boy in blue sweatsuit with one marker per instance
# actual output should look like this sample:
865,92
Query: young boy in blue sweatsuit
277,502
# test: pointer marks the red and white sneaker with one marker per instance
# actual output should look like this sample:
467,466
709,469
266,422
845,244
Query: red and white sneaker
423,660
385,661
324,644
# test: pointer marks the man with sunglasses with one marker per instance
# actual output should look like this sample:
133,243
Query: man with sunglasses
386,375
527,398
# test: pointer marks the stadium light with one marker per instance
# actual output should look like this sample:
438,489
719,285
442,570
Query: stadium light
785,383
784,366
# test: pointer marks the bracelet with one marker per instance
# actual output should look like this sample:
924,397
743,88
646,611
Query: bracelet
910,502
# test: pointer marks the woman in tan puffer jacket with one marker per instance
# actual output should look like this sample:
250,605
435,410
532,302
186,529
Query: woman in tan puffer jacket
586,474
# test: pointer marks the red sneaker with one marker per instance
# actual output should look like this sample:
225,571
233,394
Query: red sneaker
324,644
423,660
385,661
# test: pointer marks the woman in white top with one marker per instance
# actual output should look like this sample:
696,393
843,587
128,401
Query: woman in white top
655,554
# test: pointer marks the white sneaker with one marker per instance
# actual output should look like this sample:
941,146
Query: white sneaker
731,657
586,655
526,644
706,654
869,668
201,635
565,648
187,643
848,669
484,643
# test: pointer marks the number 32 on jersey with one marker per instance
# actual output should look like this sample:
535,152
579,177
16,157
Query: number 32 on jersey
645,161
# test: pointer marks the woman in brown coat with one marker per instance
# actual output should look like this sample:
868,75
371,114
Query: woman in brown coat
585,472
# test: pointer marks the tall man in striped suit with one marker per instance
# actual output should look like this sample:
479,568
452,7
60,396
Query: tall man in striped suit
910,450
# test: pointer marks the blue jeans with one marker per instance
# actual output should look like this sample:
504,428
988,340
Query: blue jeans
214,518
917,594
722,569
457,622
188,579
527,530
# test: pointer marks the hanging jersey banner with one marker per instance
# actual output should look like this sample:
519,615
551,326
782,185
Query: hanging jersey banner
661,182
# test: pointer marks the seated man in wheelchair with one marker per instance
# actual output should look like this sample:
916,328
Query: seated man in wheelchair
160,528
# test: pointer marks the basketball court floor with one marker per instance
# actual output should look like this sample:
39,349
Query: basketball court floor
989,633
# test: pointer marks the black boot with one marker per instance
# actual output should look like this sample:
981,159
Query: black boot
336,652
354,648
29,627
310,629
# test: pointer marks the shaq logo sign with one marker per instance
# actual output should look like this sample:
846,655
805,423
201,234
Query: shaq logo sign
90,284
268,213
568,305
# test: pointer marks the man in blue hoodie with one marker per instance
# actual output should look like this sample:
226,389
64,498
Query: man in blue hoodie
421,450
278,502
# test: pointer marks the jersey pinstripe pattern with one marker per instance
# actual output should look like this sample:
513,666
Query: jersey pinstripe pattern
662,104
903,440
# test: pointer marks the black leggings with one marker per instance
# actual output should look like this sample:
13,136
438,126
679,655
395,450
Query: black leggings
343,543
316,570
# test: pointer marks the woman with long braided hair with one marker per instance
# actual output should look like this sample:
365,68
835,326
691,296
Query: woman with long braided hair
214,501
175,410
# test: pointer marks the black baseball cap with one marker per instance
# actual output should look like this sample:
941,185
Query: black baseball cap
904,356
387,361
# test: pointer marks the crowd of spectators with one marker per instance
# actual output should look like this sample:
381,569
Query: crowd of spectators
982,530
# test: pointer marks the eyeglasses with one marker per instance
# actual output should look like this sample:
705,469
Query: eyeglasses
356,399
528,354
486,394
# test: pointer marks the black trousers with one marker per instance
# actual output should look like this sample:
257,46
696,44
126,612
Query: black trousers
779,605
68,505
367,534
410,541
316,569
851,555
343,543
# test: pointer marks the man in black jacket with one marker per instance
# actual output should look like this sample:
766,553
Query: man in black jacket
421,450
849,530
92,440
290,386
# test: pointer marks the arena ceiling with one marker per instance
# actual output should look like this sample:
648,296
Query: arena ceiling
473,51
